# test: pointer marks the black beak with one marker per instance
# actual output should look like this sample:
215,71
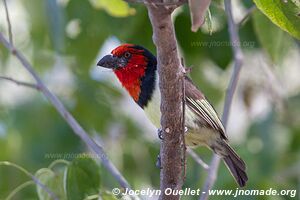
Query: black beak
108,61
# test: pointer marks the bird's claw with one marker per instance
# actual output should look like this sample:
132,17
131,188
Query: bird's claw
186,129
159,134
158,162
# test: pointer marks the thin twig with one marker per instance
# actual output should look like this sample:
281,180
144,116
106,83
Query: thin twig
196,158
246,16
20,83
274,85
238,61
10,35
78,130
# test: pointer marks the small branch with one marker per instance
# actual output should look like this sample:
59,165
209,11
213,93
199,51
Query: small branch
78,130
277,93
248,13
197,158
10,35
20,83
238,61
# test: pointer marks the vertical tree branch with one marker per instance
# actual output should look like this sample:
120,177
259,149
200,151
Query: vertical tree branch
238,61
170,76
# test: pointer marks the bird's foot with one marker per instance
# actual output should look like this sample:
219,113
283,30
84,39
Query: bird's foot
158,162
159,134
186,129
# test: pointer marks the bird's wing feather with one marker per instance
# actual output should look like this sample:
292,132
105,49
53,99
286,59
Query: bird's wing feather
196,101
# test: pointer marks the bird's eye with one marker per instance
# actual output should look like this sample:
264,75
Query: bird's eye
127,54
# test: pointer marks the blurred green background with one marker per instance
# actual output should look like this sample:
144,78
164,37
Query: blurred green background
63,39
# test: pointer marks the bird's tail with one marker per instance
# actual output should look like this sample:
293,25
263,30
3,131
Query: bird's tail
234,163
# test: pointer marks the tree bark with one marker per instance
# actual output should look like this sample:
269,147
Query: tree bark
170,77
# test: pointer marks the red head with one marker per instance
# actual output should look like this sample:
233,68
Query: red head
132,64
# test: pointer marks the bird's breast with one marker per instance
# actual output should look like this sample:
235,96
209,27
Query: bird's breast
152,110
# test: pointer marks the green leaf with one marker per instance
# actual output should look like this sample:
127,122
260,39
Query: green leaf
275,44
53,181
82,178
116,8
284,14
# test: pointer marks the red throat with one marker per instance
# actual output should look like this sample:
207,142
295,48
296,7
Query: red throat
130,76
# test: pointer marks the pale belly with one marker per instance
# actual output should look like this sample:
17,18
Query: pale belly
196,135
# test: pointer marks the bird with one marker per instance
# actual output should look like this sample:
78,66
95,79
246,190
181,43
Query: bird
136,69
